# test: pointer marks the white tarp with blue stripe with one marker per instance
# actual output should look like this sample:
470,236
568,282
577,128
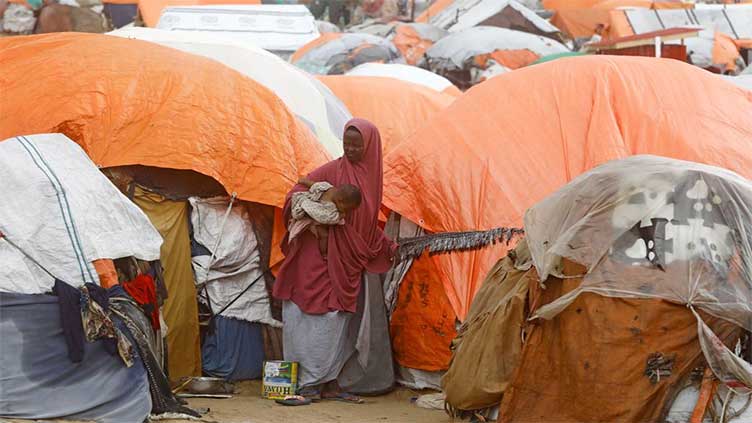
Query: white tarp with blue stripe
59,213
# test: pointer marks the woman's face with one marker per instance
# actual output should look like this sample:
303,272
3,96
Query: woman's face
353,145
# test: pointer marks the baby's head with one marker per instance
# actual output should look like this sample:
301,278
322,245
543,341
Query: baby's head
347,198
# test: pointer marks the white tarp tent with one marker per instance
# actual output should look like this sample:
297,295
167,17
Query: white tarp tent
454,50
744,81
62,213
281,29
233,261
406,73
463,14
295,88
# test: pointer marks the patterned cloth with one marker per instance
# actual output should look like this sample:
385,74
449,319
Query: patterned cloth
308,209
98,325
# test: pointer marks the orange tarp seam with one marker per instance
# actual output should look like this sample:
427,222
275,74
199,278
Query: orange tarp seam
323,39
434,9
151,10
580,23
513,59
130,102
507,143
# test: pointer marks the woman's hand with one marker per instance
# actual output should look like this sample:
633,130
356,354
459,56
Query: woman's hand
321,233
305,182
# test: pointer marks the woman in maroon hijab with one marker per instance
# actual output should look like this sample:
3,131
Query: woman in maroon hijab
320,291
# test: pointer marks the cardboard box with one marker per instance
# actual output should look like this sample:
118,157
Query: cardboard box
280,379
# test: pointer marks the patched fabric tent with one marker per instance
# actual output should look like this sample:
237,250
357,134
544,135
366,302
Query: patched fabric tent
291,85
187,117
456,55
411,38
632,281
615,107
336,53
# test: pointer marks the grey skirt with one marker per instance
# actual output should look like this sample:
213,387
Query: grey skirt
318,342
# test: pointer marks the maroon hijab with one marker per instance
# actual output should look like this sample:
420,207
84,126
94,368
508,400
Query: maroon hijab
317,284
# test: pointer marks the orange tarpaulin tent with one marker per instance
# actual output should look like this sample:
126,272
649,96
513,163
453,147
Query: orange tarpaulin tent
397,107
579,18
133,102
129,102
151,10
580,23
510,141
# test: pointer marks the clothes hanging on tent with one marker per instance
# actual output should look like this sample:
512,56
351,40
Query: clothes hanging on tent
84,315
143,289
234,351
180,309
140,332
227,259
70,319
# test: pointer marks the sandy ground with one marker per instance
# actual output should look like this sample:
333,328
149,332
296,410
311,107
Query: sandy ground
248,407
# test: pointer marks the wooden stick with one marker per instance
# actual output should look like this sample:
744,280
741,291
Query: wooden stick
707,389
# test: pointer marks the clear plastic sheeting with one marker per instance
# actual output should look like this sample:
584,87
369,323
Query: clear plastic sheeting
653,227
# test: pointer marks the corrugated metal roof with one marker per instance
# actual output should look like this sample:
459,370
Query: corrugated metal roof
735,20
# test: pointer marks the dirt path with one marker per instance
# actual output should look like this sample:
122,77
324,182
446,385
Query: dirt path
248,407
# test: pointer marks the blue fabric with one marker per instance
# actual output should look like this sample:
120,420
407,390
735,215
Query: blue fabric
38,380
121,14
69,300
235,351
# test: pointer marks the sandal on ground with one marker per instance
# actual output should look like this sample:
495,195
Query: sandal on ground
293,401
312,394
344,397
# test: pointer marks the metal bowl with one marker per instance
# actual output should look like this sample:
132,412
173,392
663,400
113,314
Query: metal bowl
209,385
